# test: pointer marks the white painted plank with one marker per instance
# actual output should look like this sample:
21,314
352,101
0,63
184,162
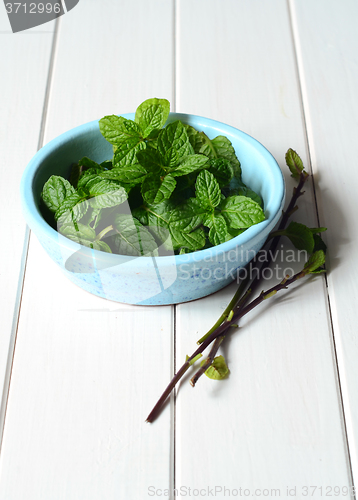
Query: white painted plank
24,67
327,42
276,421
86,370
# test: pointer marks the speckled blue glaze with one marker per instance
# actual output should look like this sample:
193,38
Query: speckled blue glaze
147,280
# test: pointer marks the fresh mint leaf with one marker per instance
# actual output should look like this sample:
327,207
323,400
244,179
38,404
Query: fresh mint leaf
156,189
188,216
218,370
152,114
174,136
221,147
105,193
222,170
84,235
131,174
189,164
54,192
294,163
78,232
319,244
241,212
102,246
196,138
107,164
300,235
171,158
155,215
235,232
316,260
224,149
207,190
316,230
218,229
192,241
117,130
72,209
76,171
132,238
125,153
86,163
152,161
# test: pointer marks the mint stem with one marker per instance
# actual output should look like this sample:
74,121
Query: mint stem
221,330
209,360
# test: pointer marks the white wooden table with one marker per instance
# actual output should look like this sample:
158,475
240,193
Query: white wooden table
80,374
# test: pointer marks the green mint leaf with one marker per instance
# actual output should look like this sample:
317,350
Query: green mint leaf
117,130
152,161
241,212
78,232
189,164
316,260
218,229
300,235
87,175
157,189
221,147
196,138
222,170
86,163
224,149
84,235
192,241
171,158
187,216
235,232
102,246
243,190
155,215
132,238
207,190
105,193
316,230
126,152
72,209
174,136
319,244
218,370
294,163
152,114
54,192
131,174
107,164
76,171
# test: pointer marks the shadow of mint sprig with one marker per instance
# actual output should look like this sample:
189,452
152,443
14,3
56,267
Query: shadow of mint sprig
173,181
303,238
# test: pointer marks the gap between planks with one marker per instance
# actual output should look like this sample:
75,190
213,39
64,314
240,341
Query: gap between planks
22,273
309,142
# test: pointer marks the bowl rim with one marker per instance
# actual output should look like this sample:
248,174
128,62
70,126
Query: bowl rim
256,232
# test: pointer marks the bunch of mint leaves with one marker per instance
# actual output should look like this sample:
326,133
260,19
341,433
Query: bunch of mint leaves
167,188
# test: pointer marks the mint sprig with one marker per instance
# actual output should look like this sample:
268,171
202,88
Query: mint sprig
184,187
239,306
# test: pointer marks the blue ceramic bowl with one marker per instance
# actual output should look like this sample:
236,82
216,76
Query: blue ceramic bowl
146,280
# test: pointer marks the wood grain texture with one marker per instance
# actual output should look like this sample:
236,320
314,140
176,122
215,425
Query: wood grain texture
327,49
277,420
24,67
86,370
